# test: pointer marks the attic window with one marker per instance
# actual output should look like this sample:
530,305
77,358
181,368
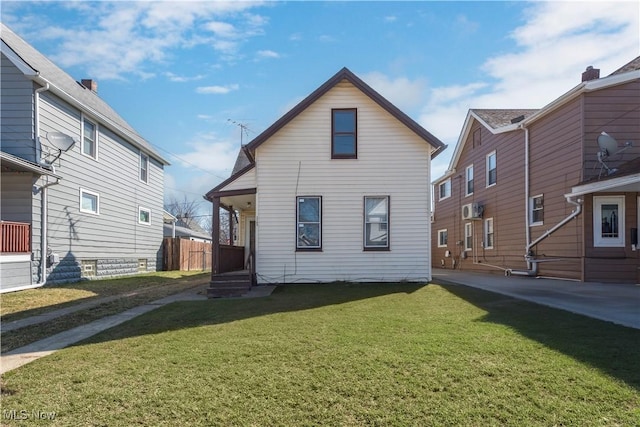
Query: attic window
344,134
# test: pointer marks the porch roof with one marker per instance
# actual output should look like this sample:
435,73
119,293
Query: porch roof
11,162
626,178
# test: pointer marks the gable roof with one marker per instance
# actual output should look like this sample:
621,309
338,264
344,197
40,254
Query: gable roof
35,66
495,120
632,65
345,74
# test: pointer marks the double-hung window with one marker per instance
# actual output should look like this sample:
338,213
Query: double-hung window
488,233
89,202
536,210
608,221
344,142
468,181
89,138
443,237
376,223
492,170
468,236
144,167
445,189
309,223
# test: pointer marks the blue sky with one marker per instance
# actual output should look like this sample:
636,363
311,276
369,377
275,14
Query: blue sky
185,74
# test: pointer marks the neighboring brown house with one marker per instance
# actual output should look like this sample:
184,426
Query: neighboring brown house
531,192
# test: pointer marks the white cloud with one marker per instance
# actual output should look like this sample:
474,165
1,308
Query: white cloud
114,40
555,44
325,38
465,26
222,29
402,92
217,90
268,54
183,79
210,154
390,18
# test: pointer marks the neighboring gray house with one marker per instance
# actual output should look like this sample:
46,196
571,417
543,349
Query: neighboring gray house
178,227
92,211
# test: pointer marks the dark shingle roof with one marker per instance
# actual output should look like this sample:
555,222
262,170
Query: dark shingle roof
631,66
63,81
242,161
497,118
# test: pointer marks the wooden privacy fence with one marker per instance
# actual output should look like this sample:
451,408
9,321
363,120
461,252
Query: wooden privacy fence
185,255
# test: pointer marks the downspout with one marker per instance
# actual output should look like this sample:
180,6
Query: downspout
36,108
44,209
526,193
533,270
532,264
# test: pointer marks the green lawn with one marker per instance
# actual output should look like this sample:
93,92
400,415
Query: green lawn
17,305
342,355
129,292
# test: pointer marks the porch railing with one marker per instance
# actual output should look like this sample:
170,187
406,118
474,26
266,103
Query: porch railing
231,258
16,237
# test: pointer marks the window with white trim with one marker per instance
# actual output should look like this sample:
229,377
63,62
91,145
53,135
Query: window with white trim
144,215
309,222
376,223
608,221
443,237
536,210
492,169
468,236
488,233
144,167
89,202
468,190
444,189
89,138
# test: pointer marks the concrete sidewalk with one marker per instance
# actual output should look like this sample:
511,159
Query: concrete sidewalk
23,355
45,317
616,303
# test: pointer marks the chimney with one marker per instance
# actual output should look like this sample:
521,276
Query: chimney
590,74
90,84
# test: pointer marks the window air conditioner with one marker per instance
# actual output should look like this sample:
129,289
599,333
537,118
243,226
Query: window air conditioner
472,211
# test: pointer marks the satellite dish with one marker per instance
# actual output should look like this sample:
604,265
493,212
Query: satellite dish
61,141
608,144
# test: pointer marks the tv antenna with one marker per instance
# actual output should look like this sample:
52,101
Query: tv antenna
608,147
244,130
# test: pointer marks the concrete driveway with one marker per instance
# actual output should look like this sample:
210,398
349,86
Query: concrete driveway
617,303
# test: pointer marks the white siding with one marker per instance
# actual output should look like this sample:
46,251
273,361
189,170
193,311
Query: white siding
245,181
392,161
